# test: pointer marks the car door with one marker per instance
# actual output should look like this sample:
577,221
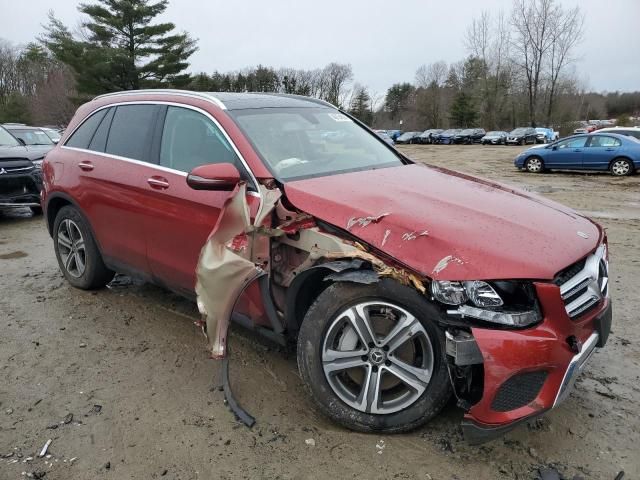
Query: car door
599,152
179,218
111,151
566,153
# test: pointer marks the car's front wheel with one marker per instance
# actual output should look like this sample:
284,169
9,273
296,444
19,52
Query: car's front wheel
621,167
373,357
534,165
77,253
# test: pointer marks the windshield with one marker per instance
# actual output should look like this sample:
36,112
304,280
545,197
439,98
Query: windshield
468,131
7,140
32,137
517,131
494,134
52,134
308,142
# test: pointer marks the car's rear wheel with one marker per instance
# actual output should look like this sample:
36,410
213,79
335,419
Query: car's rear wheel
534,165
77,253
621,167
373,358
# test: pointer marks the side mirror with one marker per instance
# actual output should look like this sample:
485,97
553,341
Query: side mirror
214,176
554,147
55,142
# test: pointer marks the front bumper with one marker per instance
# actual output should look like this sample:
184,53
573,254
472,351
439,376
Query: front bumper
21,190
539,363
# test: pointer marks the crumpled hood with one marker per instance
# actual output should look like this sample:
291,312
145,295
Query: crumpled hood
450,226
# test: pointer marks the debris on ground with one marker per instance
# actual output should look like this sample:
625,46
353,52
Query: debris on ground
43,452
311,442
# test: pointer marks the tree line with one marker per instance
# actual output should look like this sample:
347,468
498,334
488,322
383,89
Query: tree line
518,71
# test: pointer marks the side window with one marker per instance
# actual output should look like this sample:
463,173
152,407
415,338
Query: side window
598,141
190,139
577,142
83,135
99,140
130,131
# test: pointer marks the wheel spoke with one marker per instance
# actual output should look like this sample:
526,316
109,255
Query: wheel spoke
68,261
338,360
64,240
79,244
416,378
79,261
359,321
405,329
369,398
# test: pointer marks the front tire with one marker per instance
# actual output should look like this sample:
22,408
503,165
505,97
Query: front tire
534,165
77,252
373,358
621,167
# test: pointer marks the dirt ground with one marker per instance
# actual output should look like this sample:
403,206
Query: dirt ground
120,381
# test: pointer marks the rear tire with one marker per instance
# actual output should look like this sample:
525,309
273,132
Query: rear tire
621,167
343,393
78,256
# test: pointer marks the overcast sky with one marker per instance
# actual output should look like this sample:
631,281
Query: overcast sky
384,41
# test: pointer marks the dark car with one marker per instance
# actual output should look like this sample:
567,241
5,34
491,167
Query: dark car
33,138
401,284
427,136
394,134
496,137
20,174
522,136
469,135
620,154
385,136
446,137
408,137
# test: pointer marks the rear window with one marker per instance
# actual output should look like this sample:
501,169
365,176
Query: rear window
130,131
83,135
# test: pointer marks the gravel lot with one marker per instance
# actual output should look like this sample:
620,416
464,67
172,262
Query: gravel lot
131,367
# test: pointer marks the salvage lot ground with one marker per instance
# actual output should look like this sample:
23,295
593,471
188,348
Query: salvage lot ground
131,367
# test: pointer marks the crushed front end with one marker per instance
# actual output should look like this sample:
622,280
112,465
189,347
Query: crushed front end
20,183
503,376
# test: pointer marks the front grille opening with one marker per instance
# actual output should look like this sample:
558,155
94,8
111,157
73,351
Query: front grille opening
518,391
568,273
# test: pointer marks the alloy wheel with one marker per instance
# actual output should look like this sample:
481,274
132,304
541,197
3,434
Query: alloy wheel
377,357
534,165
620,167
72,248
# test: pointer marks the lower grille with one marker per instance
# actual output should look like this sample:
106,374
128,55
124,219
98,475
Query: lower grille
518,391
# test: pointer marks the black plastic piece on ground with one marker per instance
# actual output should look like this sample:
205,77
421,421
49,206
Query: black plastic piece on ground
237,410
475,434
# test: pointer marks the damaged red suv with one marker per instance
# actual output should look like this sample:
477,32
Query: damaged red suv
402,284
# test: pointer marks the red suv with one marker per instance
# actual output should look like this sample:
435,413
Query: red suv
401,283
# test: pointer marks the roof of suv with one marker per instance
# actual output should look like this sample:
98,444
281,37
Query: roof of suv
237,101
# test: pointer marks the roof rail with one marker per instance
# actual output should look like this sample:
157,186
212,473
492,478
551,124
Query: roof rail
301,97
166,91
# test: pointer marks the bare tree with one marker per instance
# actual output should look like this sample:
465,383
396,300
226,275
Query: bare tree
488,40
334,82
566,33
532,22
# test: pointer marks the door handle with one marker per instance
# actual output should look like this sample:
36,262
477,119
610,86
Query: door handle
159,183
577,150
609,149
86,166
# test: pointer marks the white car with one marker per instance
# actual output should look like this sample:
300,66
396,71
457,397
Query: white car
630,131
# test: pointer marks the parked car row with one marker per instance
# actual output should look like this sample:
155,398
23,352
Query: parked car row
468,136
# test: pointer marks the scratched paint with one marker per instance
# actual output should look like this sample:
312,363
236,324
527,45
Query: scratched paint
386,236
444,263
364,221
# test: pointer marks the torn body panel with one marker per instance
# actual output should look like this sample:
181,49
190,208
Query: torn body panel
228,262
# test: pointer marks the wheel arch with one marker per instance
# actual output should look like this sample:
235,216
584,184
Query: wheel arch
623,157
58,200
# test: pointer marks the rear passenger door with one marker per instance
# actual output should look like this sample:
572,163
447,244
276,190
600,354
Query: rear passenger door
113,148
179,218
600,151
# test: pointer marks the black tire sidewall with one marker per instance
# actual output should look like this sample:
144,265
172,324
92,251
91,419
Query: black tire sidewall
526,164
330,303
95,275
618,160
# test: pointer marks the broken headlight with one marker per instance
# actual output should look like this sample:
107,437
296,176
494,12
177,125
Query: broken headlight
509,303
480,293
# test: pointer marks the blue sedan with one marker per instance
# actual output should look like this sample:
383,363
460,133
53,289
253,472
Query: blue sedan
616,153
